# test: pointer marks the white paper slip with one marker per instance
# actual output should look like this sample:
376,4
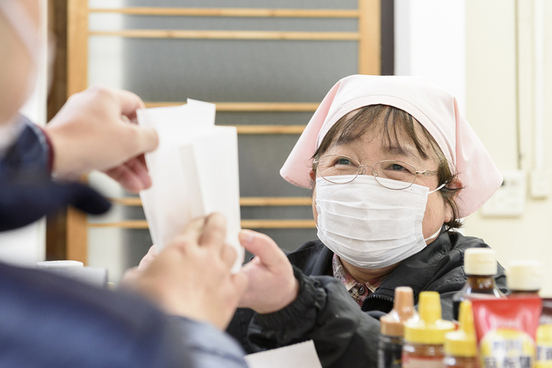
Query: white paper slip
302,355
194,172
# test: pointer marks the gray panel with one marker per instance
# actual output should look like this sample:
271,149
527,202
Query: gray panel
261,157
242,71
277,212
237,23
136,244
263,118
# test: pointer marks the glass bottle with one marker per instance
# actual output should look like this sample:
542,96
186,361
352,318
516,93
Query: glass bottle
391,338
480,267
423,339
461,345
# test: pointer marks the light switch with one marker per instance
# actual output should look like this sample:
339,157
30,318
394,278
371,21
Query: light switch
509,199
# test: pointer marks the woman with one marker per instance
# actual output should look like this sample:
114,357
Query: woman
394,167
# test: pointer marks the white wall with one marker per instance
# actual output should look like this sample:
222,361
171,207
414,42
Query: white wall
430,42
483,52
500,107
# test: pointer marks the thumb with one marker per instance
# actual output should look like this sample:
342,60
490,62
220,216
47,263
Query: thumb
262,246
147,139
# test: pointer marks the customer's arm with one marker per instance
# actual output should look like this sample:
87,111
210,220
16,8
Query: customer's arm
96,130
190,279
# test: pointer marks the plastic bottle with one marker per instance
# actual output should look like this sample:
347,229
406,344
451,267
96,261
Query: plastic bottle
423,346
524,277
461,345
480,267
392,328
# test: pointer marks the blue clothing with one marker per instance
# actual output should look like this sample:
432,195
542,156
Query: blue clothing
49,321
27,191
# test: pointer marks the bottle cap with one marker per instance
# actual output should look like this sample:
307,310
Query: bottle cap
462,342
480,261
524,276
430,328
392,324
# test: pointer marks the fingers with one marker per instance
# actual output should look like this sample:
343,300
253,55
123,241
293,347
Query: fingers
191,235
146,138
228,255
128,103
127,178
263,247
215,231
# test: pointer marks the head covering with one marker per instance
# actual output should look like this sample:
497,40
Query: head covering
434,108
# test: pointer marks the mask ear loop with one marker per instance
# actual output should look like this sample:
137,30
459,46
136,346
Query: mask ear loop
437,189
434,235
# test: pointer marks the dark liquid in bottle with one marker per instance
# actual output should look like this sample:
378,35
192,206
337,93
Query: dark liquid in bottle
390,352
475,287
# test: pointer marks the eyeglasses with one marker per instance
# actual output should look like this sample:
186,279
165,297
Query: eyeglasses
331,166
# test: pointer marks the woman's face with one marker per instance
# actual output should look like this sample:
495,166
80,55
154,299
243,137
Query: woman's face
370,148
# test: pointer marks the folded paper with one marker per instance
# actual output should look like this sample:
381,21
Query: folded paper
299,355
194,172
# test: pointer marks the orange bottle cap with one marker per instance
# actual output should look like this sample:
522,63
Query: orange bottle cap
392,324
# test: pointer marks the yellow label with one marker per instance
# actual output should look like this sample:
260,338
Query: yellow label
506,348
544,346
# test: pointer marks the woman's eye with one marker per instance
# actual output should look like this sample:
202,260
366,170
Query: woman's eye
343,161
396,167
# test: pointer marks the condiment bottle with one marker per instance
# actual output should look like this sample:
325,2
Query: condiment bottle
392,328
524,277
480,267
544,346
423,346
461,345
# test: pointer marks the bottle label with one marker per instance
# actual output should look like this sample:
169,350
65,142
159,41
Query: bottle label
421,362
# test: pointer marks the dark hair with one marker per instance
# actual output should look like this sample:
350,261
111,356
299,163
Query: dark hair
395,123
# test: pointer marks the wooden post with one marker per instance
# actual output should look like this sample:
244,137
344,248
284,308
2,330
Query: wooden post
369,45
77,80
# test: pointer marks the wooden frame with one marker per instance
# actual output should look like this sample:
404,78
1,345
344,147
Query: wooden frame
369,56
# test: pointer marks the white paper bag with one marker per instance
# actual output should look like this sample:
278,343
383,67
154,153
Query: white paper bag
194,172
301,355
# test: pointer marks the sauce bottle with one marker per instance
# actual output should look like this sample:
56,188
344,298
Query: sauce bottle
461,345
480,267
524,277
423,346
392,328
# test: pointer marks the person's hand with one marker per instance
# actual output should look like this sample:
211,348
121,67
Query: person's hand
272,285
92,132
191,276
135,272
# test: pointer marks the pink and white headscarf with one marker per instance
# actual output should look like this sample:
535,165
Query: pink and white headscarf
434,108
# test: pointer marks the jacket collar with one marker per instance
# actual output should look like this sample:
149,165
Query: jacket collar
316,259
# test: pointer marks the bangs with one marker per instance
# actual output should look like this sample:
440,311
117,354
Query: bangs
396,125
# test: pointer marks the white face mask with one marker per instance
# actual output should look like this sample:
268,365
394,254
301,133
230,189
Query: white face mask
370,226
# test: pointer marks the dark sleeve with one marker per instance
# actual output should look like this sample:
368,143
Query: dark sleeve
31,152
207,347
323,311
